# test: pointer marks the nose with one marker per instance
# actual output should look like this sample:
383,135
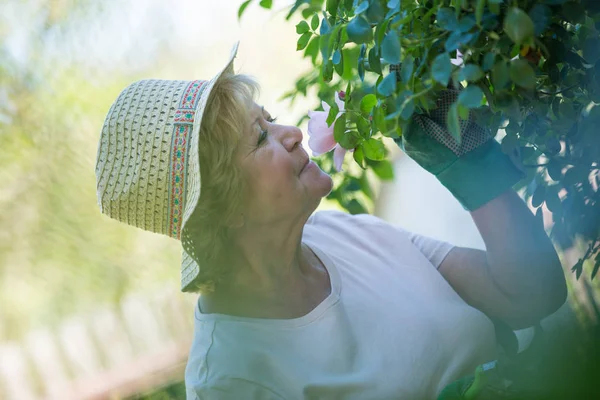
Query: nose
292,137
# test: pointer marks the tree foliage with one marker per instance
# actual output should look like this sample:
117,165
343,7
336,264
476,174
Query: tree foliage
530,68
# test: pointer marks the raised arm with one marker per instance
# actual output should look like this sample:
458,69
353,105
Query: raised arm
519,279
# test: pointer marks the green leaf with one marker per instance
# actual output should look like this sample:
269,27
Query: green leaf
312,49
405,104
327,70
517,25
441,69
324,46
508,103
591,50
359,157
349,140
408,66
453,122
333,112
500,75
555,170
390,48
387,85
471,96
509,143
470,73
354,207
243,8
380,31
379,119
391,4
303,40
457,39
266,4
325,27
337,57
479,11
367,103
540,15
314,22
488,61
553,201
446,19
302,27
383,169
363,126
359,30
374,149
374,61
522,74
538,196
375,12
339,127
332,6
362,7
463,112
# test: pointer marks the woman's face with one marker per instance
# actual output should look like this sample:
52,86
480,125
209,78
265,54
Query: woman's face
283,182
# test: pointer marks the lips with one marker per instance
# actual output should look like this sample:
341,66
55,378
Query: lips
304,164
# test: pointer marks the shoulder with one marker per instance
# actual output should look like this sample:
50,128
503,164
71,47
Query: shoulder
341,220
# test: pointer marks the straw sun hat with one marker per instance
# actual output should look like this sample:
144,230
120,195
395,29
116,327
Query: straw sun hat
147,165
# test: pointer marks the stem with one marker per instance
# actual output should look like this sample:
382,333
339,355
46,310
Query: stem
589,251
535,165
488,95
560,91
415,96
410,42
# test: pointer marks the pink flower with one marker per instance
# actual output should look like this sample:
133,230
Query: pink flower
320,134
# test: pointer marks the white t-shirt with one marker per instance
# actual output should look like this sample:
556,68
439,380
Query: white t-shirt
392,327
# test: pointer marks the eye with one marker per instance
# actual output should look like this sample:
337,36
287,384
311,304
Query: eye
264,132
262,136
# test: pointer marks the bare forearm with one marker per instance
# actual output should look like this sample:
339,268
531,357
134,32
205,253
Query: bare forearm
521,257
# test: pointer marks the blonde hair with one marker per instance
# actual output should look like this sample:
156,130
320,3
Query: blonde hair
223,184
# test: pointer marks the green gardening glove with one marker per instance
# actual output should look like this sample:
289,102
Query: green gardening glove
474,171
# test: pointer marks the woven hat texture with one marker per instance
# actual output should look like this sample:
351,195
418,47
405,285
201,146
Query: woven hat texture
147,165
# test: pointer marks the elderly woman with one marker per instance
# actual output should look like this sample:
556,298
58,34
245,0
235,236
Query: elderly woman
302,305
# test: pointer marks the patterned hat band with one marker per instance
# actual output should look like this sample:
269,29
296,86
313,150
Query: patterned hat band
183,123
147,165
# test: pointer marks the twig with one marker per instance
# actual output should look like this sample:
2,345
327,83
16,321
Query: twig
488,95
559,92
535,165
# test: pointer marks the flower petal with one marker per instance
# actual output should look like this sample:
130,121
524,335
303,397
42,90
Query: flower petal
317,124
321,144
325,106
338,157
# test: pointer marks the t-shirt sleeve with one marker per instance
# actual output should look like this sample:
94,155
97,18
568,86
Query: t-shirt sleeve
378,229
435,250
232,389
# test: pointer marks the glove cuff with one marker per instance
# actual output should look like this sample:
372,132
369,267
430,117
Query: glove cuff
480,175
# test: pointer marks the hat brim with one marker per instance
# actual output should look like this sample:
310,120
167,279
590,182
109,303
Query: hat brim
189,267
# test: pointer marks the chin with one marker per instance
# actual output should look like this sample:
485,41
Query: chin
326,184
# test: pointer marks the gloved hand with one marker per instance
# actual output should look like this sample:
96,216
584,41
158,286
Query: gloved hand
474,171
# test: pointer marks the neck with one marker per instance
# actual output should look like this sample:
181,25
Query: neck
269,260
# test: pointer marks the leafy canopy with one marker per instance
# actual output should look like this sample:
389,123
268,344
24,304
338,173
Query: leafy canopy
531,68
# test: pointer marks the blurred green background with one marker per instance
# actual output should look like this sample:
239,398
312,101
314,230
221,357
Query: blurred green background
76,286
